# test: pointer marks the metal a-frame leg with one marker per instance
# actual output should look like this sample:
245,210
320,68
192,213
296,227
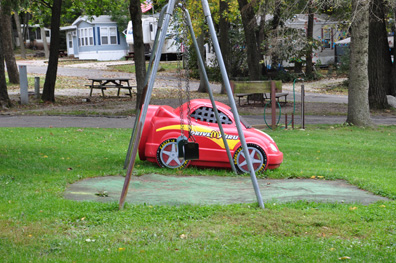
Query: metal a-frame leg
206,79
149,69
147,96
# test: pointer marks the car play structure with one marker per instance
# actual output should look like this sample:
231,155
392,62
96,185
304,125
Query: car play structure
159,141
175,138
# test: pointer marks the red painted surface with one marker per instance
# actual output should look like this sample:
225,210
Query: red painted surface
162,128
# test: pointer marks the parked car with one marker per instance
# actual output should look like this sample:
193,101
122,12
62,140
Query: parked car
162,128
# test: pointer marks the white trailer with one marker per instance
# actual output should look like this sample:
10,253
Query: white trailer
150,25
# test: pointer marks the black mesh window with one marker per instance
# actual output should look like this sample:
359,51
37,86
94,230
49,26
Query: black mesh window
206,114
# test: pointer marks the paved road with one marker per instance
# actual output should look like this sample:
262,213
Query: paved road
122,122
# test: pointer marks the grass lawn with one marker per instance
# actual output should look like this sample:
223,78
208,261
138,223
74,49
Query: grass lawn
38,225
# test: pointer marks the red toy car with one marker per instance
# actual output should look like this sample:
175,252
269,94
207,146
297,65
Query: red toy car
162,128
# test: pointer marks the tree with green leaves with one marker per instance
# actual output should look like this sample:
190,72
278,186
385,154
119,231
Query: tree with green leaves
252,49
138,49
8,46
358,105
52,69
380,64
5,101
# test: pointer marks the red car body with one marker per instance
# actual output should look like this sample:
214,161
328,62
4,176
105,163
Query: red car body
163,126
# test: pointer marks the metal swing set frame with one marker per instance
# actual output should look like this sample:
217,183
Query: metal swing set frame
163,23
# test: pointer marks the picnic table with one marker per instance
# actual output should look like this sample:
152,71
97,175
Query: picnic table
106,83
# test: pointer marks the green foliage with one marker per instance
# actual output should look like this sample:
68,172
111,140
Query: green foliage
343,67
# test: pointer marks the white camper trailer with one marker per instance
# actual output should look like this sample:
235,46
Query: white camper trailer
150,25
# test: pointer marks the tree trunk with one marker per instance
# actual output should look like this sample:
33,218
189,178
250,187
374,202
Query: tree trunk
261,35
224,41
20,37
138,47
358,106
308,56
274,26
8,48
5,101
45,44
202,84
380,64
249,27
50,76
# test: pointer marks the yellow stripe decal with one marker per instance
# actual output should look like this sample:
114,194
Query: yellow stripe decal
209,133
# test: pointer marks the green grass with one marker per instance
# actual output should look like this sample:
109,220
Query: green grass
38,225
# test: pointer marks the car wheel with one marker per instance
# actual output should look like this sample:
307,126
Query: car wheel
167,155
257,156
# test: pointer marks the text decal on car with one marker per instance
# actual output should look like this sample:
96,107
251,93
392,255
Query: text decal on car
213,135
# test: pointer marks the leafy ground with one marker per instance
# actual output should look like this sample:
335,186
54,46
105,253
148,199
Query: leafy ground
39,225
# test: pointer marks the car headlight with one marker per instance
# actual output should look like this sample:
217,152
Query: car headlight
273,147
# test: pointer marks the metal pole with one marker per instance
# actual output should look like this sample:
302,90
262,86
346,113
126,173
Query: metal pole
148,91
23,84
202,67
226,81
153,52
37,87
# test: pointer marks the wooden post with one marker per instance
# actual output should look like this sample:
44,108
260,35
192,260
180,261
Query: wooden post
302,107
273,105
286,121
292,120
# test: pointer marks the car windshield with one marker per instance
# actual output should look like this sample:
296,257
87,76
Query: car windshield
245,123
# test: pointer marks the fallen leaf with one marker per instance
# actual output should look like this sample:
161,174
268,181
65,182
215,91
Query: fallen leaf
344,258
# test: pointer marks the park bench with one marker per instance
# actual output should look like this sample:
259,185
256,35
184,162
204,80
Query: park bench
257,91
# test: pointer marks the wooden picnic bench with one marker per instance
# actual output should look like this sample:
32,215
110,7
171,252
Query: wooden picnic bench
257,91
106,83
131,55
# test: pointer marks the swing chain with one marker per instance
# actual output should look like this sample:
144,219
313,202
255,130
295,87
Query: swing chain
180,90
184,55
187,73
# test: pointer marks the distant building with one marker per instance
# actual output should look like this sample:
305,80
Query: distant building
34,39
97,39
326,30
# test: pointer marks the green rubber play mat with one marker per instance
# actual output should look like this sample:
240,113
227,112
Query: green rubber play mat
157,189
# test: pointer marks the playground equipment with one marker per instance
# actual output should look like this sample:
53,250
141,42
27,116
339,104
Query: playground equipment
163,24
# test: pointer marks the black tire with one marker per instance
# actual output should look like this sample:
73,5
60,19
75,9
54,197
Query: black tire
167,155
259,159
